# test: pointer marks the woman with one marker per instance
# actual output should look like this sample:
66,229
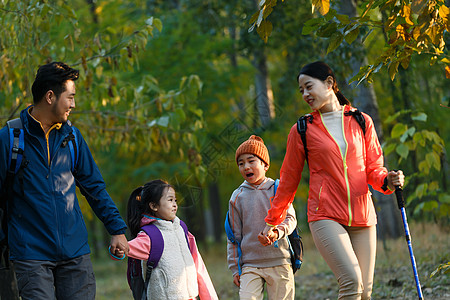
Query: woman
343,161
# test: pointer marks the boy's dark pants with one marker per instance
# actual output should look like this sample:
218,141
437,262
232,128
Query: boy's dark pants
71,279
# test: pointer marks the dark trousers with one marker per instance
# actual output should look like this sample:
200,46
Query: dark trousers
71,279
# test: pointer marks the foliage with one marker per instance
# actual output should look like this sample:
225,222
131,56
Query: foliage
117,107
412,27
427,149
443,268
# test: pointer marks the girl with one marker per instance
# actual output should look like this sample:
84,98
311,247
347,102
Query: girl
180,273
342,162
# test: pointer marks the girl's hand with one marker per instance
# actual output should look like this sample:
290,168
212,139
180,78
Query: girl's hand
237,280
395,178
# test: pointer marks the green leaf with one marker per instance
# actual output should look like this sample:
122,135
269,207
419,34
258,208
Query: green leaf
398,130
264,30
421,190
430,205
402,150
344,19
433,160
335,40
389,148
158,24
393,69
420,117
444,198
352,35
424,167
163,121
327,30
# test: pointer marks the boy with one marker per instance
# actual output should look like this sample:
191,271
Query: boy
248,206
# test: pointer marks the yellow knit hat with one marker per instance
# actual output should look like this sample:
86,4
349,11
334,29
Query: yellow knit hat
254,145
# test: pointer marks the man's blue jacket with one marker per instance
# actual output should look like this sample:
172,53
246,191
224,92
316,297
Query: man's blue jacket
45,218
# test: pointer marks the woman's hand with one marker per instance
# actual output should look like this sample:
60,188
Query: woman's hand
237,280
395,178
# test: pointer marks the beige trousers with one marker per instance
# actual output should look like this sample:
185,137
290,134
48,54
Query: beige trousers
279,281
350,253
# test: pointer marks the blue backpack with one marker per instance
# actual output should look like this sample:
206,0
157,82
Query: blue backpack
16,163
294,240
135,277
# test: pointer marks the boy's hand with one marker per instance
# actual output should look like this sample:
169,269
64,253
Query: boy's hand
237,280
269,238
264,240
272,235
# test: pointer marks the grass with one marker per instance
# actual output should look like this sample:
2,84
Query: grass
393,273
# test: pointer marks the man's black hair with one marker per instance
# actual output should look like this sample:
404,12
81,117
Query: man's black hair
52,76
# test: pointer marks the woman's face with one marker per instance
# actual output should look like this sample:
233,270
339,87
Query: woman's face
317,93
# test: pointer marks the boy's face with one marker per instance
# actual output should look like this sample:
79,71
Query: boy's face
252,168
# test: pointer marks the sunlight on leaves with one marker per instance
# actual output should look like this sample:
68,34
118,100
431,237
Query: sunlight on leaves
323,6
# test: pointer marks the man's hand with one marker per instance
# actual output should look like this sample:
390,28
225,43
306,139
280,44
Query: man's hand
237,280
119,244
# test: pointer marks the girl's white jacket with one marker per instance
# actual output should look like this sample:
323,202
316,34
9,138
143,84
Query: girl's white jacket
181,274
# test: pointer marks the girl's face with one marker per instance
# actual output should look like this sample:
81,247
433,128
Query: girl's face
252,168
318,94
167,208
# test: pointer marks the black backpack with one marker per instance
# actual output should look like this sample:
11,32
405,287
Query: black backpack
303,122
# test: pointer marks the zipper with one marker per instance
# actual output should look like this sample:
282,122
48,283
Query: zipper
344,162
57,215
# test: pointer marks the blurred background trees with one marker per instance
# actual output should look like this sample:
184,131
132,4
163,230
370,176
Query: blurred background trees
169,89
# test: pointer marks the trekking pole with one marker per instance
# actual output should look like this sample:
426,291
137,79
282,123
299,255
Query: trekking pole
401,206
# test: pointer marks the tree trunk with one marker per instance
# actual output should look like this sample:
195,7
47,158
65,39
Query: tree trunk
263,88
389,219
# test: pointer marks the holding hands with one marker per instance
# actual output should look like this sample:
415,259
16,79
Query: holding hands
268,236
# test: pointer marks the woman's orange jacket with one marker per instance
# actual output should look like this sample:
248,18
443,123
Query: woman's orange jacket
338,184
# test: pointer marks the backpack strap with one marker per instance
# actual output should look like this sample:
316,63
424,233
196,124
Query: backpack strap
232,239
184,226
16,144
301,128
72,141
156,250
157,241
359,118
16,151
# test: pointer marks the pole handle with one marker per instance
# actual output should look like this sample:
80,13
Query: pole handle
399,195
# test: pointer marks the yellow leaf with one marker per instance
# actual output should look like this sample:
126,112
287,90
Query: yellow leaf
447,72
444,11
322,5
406,13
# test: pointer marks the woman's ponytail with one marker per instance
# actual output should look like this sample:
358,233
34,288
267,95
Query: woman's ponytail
135,210
342,99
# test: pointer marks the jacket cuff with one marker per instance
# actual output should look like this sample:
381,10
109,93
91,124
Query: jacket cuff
385,186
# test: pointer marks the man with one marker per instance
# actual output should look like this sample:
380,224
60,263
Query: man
46,231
